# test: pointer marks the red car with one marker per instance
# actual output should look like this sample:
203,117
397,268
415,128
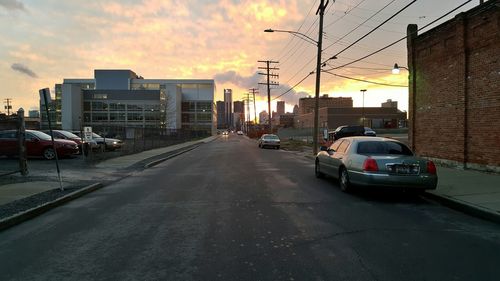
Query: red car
65,135
37,144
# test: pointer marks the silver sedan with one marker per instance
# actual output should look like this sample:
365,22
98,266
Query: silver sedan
269,140
375,162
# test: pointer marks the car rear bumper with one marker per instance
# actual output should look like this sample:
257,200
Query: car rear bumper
273,144
422,181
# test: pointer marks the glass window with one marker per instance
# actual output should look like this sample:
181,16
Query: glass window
8,135
117,116
117,106
99,106
86,117
134,107
204,117
86,106
99,96
343,146
134,116
204,106
96,117
37,134
152,116
383,147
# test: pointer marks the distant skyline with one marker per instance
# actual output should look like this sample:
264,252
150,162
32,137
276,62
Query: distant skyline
48,40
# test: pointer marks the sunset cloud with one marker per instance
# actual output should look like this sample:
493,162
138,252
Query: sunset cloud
24,70
12,5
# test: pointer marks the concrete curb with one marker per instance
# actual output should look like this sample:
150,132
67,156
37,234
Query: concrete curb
33,212
158,161
464,207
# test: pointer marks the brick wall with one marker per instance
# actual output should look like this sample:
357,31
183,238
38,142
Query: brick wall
306,105
454,89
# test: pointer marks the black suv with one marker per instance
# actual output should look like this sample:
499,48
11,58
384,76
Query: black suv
346,131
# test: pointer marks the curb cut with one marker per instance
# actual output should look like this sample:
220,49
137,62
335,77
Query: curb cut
461,206
158,161
33,212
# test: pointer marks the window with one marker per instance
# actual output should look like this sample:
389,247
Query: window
99,96
8,135
383,147
343,146
99,106
117,116
86,106
116,107
204,106
134,116
134,107
96,117
204,117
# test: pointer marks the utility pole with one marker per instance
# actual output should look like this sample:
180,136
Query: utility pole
363,113
321,12
268,68
246,100
8,105
254,91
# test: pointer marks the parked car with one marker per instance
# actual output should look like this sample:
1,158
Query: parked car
108,143
225,133
375,162
370,132
65,135
269,140
346,131
240,133
37,144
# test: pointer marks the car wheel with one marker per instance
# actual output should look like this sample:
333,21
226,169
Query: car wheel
278,147
345,185
49,153
317,170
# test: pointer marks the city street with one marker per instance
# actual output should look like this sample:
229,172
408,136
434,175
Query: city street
228,210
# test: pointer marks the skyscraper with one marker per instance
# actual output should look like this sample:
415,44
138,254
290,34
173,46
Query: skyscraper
280,108
221,115
228,102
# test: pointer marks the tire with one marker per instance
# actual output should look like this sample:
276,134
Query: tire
345,184
260,146
49,153
317,170
278,147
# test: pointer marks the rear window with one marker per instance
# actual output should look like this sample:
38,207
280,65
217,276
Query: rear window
68,134
40,135
383,147
271,137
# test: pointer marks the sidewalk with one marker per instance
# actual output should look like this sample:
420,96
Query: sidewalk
470,191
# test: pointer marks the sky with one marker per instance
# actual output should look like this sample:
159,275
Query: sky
45,41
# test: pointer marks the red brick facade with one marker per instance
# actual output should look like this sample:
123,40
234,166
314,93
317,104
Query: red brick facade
454,105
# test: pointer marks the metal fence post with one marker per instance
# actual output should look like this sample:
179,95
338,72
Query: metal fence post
23,163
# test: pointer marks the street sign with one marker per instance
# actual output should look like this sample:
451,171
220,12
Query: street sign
87,134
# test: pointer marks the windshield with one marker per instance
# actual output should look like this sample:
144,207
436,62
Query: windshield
40,135
94,135
271,137
383,147
69,135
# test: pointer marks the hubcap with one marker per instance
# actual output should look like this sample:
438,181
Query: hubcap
49,153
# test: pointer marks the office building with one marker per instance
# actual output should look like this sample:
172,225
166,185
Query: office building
121,98
221,115
280,108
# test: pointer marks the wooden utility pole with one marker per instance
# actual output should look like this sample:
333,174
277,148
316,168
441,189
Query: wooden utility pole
8,105
268,74
246,100
254,91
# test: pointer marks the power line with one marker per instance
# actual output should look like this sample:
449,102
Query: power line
371,31
397,41
350,32
345,14
366,81
298,83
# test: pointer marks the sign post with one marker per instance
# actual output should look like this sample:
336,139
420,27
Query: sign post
45,94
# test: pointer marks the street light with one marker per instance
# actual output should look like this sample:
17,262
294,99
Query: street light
363,113
296,34
318,74
396,68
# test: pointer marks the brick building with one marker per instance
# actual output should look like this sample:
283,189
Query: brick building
332,117
454,101
306,105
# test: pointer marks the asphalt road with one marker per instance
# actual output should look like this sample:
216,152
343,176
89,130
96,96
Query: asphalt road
231,211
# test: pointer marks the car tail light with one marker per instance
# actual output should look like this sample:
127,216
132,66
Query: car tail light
370,165
431,168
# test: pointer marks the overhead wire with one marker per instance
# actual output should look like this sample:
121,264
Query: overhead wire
365,81
399,40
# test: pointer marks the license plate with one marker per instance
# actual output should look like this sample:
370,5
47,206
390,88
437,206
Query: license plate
404,169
